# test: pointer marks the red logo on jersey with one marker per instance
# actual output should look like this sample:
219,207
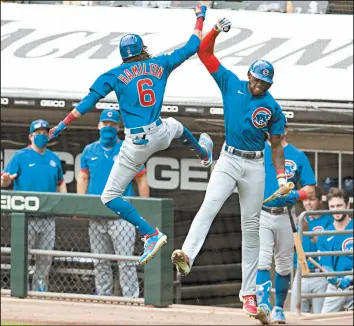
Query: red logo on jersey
260,117
318,228
290,168
347,244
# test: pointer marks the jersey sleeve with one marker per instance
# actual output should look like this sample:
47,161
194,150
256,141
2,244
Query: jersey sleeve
83,161
224,78
324,246
276,123
13,166
141,171
177,57
306,175
104,84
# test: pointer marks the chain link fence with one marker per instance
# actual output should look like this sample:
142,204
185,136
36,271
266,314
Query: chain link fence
78,275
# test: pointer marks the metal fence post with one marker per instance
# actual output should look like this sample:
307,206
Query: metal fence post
19,255
158,272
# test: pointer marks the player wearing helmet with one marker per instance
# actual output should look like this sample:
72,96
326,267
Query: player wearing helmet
250,112
139,84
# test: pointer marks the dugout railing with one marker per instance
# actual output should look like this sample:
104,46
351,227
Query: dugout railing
299,275
158,273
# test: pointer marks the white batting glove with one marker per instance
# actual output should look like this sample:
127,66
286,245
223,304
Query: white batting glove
223,25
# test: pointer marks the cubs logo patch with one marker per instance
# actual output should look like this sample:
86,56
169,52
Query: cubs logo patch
347,244
290,168
265,72
52,163
260,117
109,114
318,228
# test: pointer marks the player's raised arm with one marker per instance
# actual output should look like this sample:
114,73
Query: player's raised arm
178,56
100,89
206,49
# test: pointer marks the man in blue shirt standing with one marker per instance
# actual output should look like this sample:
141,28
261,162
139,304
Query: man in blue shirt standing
97,161
36,168
139,84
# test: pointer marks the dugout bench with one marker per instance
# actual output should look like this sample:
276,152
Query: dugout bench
158,272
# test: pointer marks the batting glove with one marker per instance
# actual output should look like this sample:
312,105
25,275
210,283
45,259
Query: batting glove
200,11
288,200
223,25
54,132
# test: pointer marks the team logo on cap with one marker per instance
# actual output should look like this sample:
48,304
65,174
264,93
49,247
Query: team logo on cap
260,117
52,163
290,168
265,72
347,244
110,114
318,228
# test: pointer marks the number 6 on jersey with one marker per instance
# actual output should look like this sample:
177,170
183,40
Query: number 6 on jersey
146,95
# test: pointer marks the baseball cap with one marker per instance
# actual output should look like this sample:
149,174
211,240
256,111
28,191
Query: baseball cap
330,183
286,122
38,124
110,115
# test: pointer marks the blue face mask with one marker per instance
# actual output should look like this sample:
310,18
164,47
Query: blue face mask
108,136
40,140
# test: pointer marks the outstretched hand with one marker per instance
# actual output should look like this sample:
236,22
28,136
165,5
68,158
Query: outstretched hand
223,25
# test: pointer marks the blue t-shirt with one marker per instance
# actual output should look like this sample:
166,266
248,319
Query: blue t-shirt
297,168
247,119
35,171
314,224
140,86
340,242
98,162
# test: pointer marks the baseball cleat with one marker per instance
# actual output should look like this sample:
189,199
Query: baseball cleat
152,245
206,142
278,316
181,260
264,313
250,305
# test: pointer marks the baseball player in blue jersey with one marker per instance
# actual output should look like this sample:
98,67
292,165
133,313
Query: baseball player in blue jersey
139,84
249,113
36,168
97,161
309,244
337,200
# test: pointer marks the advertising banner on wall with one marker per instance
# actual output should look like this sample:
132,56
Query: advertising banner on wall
47,48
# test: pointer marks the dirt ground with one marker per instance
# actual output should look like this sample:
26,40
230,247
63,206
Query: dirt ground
59,312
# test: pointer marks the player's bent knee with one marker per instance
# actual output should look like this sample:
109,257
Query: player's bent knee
264,264
283,271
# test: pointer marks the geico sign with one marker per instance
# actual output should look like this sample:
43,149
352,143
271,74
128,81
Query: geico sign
169,108
109,106
216,111
20,203
4,101
53,103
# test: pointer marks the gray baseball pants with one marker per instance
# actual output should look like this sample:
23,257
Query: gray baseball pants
107,237
336,304
41,235
247,175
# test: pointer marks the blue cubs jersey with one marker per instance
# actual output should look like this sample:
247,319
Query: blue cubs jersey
297,168
98,162
247,119
314,224
140,86
35,171
340,242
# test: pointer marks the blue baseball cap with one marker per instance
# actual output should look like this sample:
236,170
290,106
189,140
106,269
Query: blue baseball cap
110,115
38,124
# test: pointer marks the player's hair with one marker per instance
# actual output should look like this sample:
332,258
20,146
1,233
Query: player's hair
144,55
318,193
337,193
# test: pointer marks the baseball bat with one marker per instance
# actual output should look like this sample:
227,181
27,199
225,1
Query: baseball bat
283,190
320,267
298,246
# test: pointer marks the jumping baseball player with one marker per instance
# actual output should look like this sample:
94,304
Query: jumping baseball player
337,200
276,237
249,113
97,161
36,168
139,84
317,284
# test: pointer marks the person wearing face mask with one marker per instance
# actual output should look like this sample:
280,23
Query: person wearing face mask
338,200
97,161
36,168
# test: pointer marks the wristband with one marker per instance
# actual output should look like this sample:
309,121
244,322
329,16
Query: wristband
302,194
69,118
199,24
